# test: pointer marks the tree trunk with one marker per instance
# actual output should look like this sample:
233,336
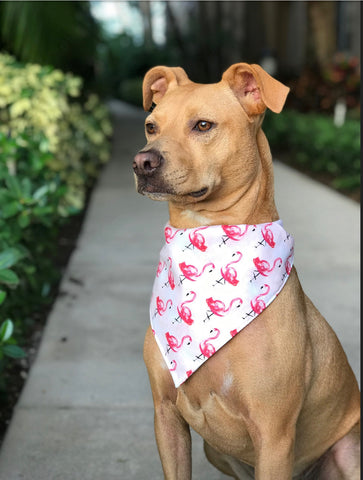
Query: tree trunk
147,21
322,18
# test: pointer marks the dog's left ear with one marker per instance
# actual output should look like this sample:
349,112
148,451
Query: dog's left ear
158,80
255,89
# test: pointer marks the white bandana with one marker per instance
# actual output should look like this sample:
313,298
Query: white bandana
211,282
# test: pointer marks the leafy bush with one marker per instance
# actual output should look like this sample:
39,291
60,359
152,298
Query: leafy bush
51,149
36,106
318,145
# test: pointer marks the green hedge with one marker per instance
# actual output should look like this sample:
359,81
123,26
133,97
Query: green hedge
316,144
52,145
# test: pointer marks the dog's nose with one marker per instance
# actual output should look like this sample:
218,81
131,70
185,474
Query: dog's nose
145,163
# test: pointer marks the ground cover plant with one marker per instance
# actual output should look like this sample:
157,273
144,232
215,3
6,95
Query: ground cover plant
315,144
53,142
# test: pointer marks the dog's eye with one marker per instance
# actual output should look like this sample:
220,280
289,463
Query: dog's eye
150,128
203,126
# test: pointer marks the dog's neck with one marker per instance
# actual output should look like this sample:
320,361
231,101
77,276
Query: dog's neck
251,204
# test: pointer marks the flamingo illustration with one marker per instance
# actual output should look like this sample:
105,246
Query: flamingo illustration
169,235
184,312
197,240
257,304
173,366
234,232
207,348
268,236
170,275
229,273
161,306
288,265
173,341
263,266
218,307
190,272
160,268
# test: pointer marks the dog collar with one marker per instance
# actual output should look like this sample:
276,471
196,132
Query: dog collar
211,282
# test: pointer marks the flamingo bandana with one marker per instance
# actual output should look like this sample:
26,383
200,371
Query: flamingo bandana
211,282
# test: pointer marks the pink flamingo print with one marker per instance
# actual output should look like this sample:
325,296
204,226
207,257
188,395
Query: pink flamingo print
161,306
184,312
169,235
288,265
229,273
263,266
173,341
190,272
218,307
268,236
160,268
197,239
173,366
170,275
257,304
234,232
207,348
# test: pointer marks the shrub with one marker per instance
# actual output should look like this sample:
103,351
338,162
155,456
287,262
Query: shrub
51,148
315,143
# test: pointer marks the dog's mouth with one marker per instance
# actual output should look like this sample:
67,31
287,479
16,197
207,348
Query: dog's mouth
154,190
161,189
199,193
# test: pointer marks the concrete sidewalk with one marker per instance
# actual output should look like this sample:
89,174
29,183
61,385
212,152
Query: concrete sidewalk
86,410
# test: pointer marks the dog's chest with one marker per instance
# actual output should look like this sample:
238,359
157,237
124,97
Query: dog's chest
214,412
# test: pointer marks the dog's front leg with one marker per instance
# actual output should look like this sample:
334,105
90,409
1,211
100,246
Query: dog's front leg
174,442
171,430
275,458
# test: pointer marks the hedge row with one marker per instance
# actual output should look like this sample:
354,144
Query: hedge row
52,144
316,144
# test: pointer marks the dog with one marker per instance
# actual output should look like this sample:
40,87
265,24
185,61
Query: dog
279,399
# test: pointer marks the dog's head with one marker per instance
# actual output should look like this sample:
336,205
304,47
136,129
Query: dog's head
201,139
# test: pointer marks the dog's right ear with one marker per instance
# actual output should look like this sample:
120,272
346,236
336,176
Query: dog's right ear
158,80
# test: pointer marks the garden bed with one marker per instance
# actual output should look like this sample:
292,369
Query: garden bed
17,372
325,178
314,145
54,140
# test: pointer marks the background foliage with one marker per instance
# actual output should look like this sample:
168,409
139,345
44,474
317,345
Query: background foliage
51,148
313,142
63,34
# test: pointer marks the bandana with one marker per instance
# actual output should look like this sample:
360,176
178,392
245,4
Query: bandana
211,282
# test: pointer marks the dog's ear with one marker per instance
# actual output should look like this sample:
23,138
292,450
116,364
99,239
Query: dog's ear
255,89
158,80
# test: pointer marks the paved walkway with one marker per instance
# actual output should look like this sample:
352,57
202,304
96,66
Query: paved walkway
86,410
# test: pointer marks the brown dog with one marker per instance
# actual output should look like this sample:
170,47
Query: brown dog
275,402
